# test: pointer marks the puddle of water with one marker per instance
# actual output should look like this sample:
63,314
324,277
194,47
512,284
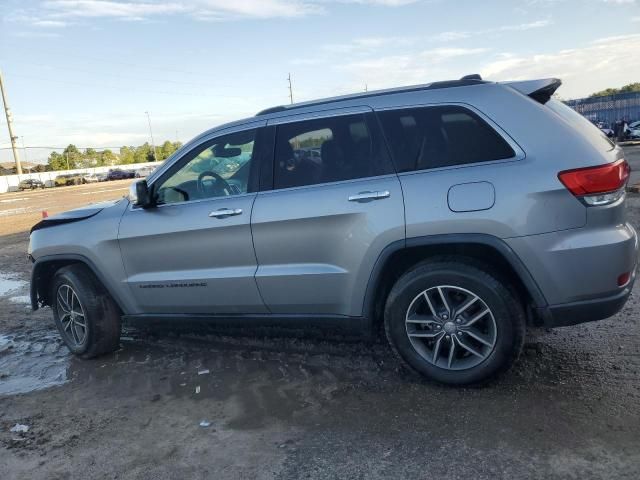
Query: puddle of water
34,363
26,299
9,285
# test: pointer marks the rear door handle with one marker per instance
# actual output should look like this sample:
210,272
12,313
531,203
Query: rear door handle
225,212
366,196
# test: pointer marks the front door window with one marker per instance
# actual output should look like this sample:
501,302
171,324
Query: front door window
217,169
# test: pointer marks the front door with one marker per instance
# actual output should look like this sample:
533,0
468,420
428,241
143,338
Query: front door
193,252
336,202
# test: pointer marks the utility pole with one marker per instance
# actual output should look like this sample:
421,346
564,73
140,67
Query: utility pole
290,88
7,112
366,87
153,144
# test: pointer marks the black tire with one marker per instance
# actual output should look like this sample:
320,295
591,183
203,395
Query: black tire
101,314
465,273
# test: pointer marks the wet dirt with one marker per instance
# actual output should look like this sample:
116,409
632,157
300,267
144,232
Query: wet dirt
290,406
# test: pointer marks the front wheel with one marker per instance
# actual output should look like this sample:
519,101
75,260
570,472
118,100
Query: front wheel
455,322
86,317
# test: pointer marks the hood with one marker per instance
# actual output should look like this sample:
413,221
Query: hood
74,215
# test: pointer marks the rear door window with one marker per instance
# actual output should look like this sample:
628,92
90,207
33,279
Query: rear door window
328,150
431,137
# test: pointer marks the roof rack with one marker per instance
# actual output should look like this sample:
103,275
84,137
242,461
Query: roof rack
473,79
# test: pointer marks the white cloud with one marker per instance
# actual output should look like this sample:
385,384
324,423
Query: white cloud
598,65
459,35
583,70
52,13
386,3
406,69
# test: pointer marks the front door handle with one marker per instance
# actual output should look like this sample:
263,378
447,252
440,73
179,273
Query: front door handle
225,212
367,196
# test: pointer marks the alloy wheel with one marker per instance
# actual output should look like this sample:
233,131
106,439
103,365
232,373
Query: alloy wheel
451,327
72,316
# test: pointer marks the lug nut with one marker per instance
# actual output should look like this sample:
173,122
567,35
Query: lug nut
458,320
448,337
445,316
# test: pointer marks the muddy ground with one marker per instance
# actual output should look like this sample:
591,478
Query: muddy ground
282,406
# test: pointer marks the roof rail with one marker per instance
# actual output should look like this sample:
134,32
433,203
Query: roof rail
467,80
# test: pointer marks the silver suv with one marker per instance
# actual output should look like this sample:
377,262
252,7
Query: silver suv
454,214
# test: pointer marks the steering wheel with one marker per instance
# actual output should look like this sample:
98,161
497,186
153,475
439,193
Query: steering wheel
221,185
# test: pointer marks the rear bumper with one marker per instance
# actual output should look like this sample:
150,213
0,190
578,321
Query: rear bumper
577,271
566,314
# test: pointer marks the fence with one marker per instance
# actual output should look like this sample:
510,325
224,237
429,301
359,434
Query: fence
9,183
610,108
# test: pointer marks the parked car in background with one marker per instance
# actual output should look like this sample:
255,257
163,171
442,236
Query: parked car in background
102,177
68,179
605,128
144,172
425,217
119,174
90,178
30,184
634,130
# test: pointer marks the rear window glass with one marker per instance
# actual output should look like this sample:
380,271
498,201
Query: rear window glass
581,124
430,137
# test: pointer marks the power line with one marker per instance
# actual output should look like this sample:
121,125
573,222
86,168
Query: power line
127,89
64,57
66,69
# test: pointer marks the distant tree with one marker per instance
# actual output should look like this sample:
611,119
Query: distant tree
108,158
56,161
91,158
632,87
143,154
168,148
126,155
71,157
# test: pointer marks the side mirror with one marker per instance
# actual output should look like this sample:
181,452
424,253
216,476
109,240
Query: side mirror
139,194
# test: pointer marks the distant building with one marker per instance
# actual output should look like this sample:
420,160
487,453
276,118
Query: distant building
610,108
9,168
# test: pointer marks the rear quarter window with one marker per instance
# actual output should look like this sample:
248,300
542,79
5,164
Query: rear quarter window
581,125
431,137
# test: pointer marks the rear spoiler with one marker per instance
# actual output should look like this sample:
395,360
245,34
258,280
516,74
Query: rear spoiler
540,90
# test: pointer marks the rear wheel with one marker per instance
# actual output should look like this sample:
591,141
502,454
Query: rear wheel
86,317
454,321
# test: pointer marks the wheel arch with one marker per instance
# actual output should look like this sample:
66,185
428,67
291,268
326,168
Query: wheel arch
44,269
400,256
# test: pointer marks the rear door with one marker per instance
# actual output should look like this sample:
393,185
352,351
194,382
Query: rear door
336,203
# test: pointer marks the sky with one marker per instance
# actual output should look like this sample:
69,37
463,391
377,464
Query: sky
86,71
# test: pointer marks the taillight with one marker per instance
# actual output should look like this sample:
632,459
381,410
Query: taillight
599,185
